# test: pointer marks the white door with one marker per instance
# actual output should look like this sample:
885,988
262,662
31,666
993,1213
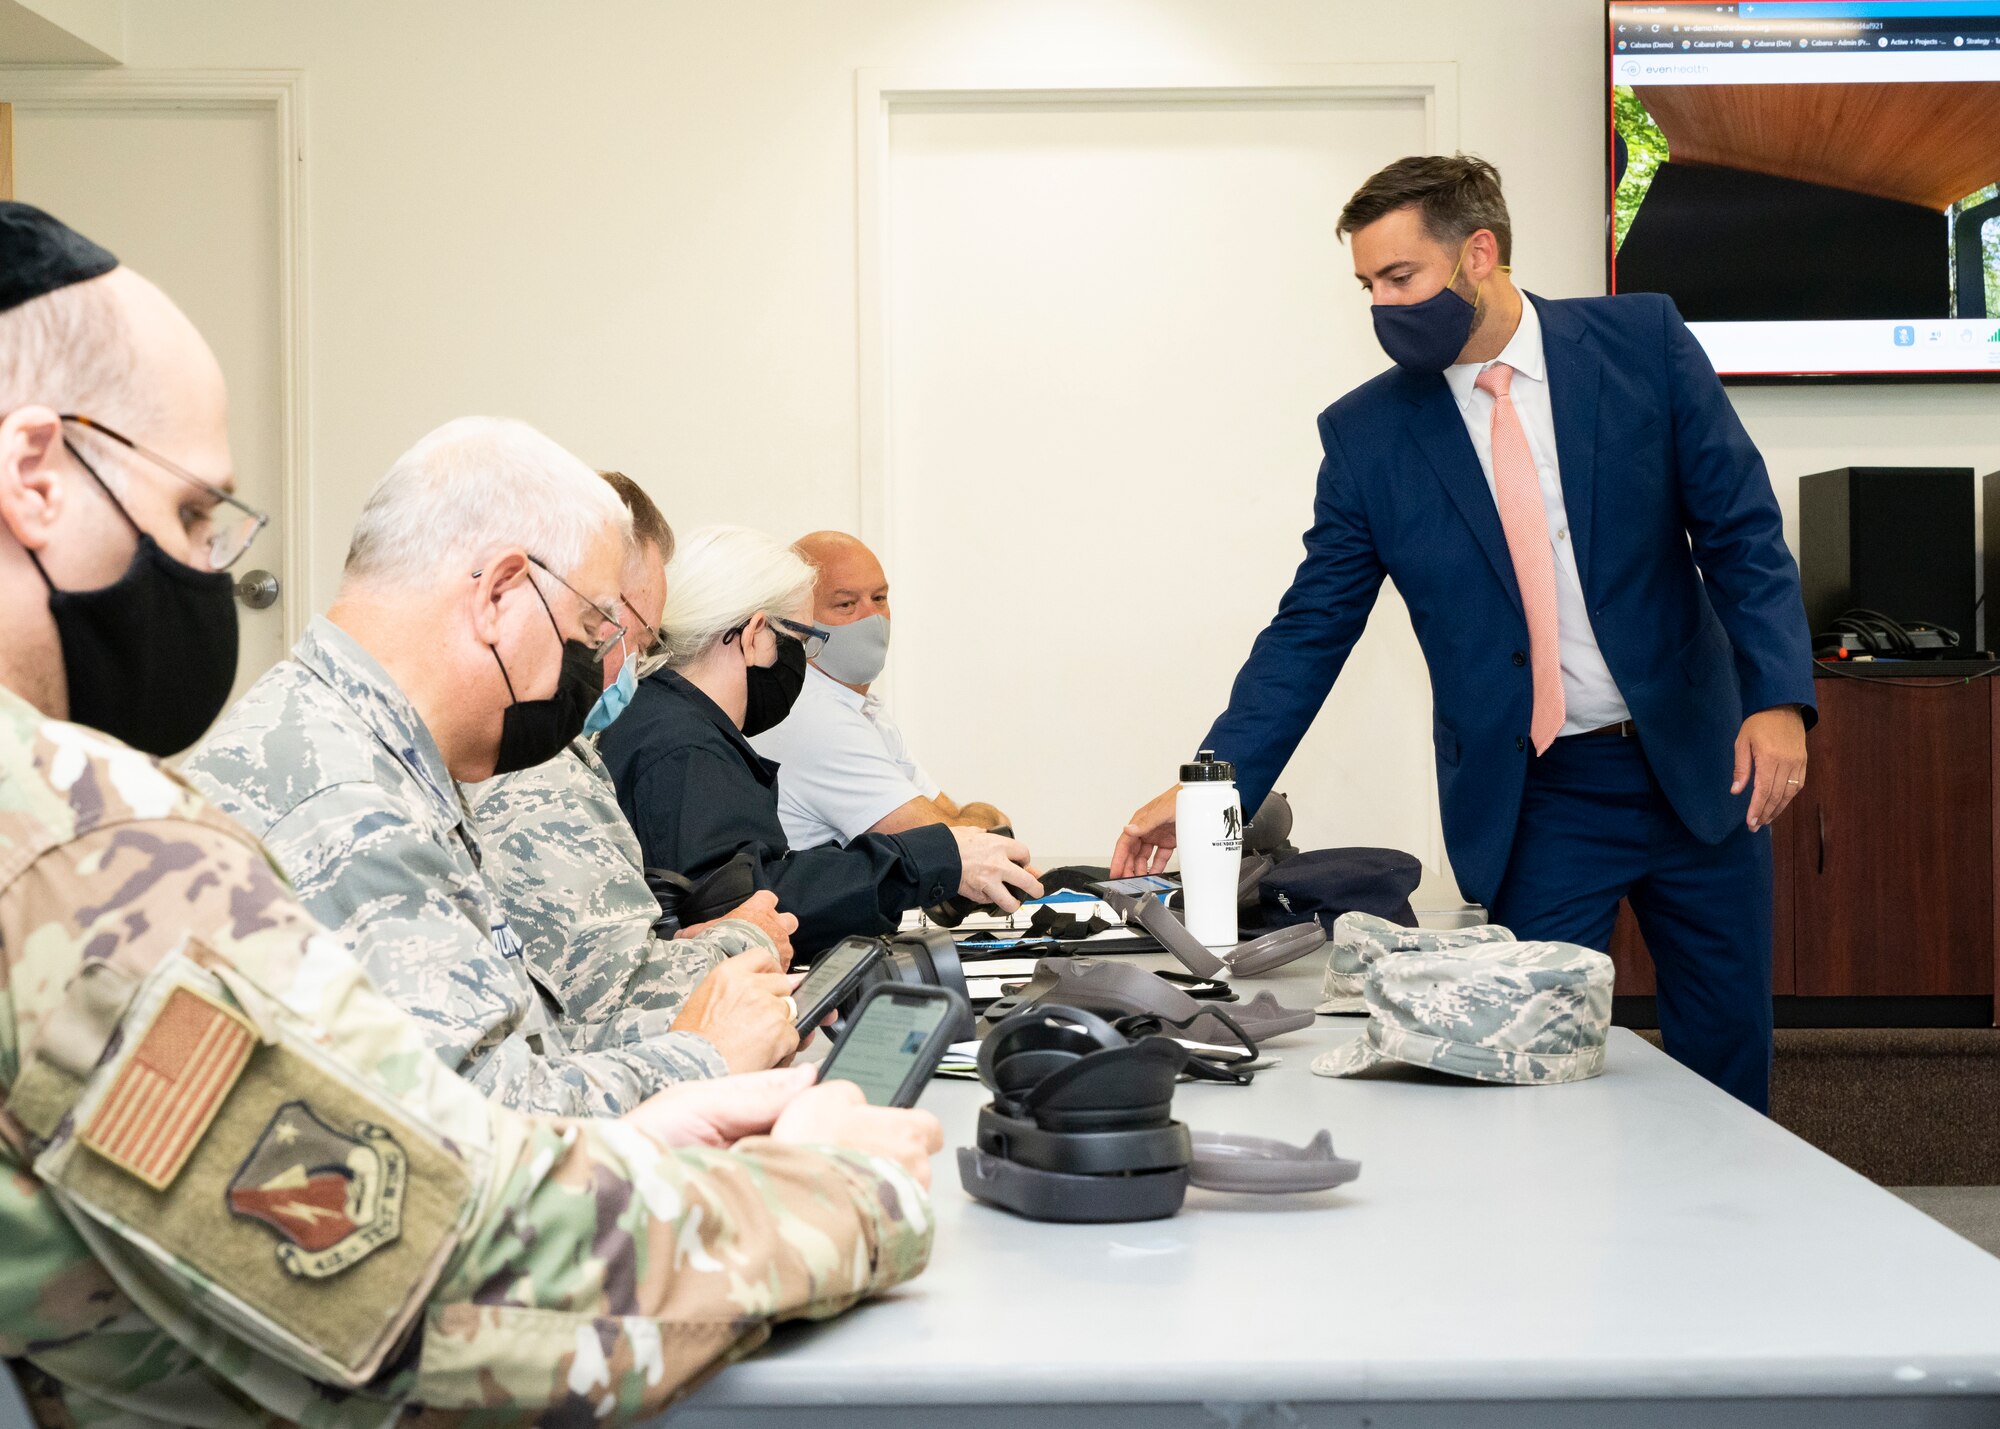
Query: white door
189,198
1110,328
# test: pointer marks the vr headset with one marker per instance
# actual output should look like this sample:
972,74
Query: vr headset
1081,1126
1120,989
685,902
927,959
1247,959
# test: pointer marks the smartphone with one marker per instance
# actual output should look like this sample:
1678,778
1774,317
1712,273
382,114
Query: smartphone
1144,884
894,1041
840,970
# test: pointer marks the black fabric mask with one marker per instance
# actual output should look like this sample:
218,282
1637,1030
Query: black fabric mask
771,692
150,657
535,731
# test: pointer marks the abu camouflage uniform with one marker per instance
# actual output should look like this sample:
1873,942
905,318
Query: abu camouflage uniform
1524,1013
240,1190
327,762
572,884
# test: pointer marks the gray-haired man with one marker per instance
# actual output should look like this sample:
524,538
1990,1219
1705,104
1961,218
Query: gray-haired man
466,641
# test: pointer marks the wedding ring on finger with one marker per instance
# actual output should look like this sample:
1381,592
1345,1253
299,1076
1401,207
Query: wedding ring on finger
791,1008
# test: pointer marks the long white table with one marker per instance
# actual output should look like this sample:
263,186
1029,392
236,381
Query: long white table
1634,1250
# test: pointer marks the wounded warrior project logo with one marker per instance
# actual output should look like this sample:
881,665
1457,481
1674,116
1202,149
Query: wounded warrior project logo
1232,826
333,1197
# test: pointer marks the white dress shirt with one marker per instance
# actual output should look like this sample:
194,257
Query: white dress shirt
1590,696
843,764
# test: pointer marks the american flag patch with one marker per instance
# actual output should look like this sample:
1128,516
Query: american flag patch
170,1088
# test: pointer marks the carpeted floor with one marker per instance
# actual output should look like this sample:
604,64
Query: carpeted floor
1972,1211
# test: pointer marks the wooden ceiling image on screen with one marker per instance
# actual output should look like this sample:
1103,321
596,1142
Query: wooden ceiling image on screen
1923,144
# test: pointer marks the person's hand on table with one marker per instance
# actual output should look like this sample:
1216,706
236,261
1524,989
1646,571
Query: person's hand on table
760,910
836,1114
744,1007
1771,747
722,1112
1147,844
993,869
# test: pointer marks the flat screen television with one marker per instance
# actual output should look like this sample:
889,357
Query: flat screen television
1815,183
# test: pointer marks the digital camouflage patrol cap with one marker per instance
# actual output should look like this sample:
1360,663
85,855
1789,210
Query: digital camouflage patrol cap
1523,1013
1360,938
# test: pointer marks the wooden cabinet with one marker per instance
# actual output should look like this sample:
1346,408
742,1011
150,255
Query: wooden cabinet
1885,866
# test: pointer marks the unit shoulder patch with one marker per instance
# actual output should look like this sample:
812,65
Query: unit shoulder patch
171,1087
330,1196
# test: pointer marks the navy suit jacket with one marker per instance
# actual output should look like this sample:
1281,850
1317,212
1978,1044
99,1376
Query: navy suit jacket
1693,596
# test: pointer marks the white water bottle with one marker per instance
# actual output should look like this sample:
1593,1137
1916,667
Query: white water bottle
1208,827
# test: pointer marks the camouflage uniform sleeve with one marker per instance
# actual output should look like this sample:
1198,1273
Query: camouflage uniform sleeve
567,869
592,1277
678,1262
383,883
640,1022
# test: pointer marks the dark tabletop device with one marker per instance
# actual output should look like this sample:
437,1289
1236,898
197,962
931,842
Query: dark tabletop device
894,1041
685,902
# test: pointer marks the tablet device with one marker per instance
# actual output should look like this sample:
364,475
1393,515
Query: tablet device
840,970
894,1041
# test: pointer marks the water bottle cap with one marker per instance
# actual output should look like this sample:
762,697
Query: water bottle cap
1207,769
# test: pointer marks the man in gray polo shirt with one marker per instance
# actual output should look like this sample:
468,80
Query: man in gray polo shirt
844,768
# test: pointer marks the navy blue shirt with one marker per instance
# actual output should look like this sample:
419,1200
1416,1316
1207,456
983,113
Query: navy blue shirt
697,795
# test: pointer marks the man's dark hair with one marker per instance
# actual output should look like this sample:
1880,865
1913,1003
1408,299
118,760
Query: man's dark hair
1456,194
649,527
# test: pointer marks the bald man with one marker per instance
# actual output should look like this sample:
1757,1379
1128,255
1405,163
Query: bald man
844,768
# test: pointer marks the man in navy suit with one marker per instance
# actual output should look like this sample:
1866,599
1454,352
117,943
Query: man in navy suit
1596,570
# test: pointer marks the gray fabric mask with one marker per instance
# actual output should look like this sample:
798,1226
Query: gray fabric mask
855,653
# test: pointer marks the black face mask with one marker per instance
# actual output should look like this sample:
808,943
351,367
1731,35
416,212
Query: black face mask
771,692
150,657
535,731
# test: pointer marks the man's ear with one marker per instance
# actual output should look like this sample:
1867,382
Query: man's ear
32,486
1482,255
491,583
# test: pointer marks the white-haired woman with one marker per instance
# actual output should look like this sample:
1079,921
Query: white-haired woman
735,632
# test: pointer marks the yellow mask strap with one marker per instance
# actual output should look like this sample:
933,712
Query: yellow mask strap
1507,268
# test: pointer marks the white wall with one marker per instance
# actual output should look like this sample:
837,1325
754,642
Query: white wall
632,221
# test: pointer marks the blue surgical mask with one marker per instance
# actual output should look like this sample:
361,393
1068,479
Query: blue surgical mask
1427,336
616,696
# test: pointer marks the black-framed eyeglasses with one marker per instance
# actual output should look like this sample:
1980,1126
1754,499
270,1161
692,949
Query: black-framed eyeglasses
225,527
602,634
810,636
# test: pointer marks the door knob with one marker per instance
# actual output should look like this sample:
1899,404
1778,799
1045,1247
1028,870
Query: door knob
258,589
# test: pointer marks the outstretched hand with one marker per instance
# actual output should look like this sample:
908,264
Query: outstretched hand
1147,844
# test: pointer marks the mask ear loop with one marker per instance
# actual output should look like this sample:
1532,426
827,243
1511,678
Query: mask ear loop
512,698
104,486
1478,292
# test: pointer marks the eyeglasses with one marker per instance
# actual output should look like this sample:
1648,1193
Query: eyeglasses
654,640
225,527
602,633
810,636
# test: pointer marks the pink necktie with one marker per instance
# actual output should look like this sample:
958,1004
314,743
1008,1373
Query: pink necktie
1526,521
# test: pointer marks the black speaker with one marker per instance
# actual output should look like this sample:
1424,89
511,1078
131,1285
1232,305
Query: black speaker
1893,539
1989,545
